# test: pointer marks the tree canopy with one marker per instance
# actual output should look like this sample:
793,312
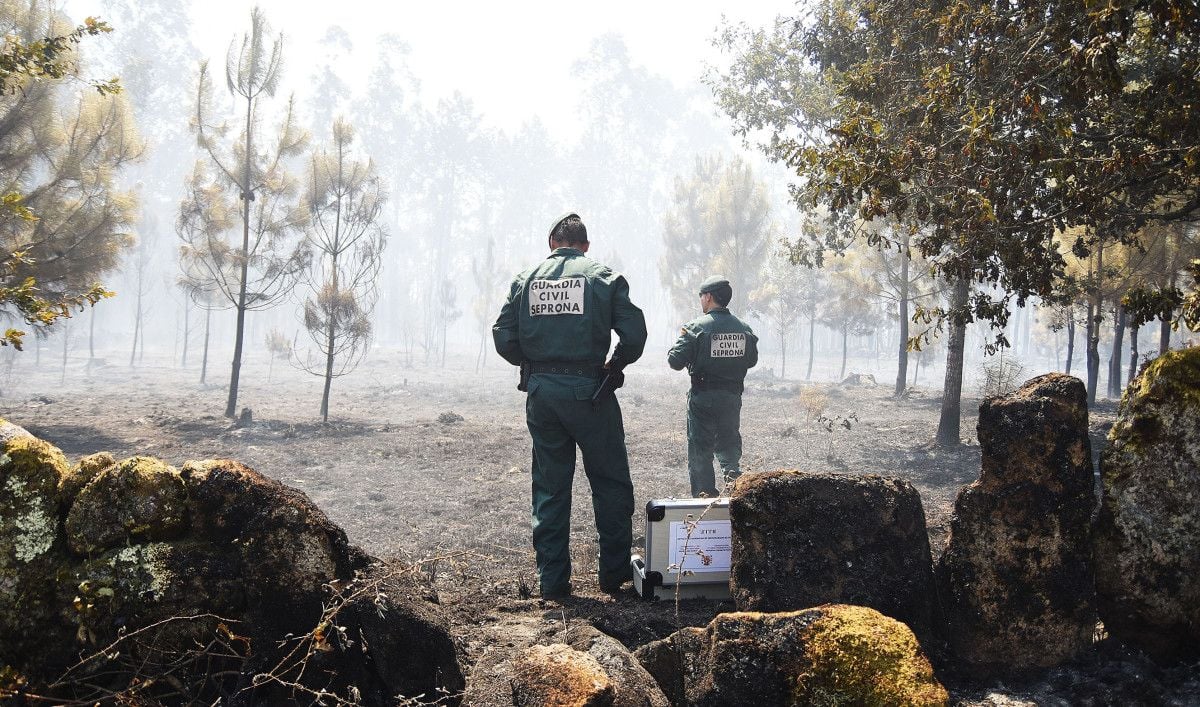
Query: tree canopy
990,128
63,220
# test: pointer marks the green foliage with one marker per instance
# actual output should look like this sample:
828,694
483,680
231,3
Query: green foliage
62,220
1143,304
20,295
345,200
48,58
1189,310
990,128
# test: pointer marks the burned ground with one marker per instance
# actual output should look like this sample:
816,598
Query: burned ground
432,464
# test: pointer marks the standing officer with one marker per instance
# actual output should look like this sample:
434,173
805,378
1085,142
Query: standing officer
556,325
718,349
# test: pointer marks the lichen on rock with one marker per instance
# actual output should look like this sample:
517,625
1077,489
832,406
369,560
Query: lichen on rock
1148,529
84,470
138,499
30,471
829,655
856,655
32,555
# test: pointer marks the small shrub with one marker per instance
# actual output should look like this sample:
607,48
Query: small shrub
1001,375
812,401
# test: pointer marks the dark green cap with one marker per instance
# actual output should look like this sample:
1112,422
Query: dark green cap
713,284
560,219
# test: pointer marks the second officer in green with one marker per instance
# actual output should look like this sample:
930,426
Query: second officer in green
717,348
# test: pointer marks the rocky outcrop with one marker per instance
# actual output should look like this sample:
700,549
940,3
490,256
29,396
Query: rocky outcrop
833,654
1016,578
578,665
1148,530
211,554
33,553
804,539
140,499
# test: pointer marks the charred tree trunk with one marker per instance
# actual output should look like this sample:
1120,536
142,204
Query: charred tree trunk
1114,360
187,328
949,423
812,327
330,343
1095,316
1070,341
137,322
66,330
845,345
1133,353
902,314
235,371
204,360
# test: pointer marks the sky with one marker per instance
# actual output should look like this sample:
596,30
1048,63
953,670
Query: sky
512,58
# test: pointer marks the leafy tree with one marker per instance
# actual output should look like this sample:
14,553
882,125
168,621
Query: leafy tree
63,221
850,305
901,277
389,117
262,269
786,294
206,214
330,91
996,126
345,199
143,257
488,280
452,174
719,222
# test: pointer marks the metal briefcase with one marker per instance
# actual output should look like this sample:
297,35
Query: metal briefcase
687,549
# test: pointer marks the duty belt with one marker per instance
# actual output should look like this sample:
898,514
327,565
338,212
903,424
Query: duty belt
566,368
702,383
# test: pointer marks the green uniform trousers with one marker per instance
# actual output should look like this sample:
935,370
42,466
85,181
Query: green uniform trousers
713,419
560,416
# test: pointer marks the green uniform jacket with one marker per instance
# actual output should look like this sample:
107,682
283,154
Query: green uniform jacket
717,346
565,309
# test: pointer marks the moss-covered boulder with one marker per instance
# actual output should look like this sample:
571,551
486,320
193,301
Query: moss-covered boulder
286,546
140,499
1147,538
1016,578
32,552
214,555
83,471
828,655
804,539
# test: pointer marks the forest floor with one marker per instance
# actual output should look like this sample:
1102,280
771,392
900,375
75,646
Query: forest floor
429,462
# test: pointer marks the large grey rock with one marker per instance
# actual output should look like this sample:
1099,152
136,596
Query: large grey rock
804,539
1147,544
508,675
559,675
833,654
1016,578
